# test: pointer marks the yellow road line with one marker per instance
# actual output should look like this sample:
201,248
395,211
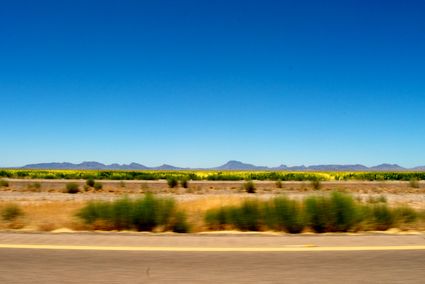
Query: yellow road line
304,248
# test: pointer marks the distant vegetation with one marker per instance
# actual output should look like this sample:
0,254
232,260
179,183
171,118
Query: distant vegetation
316,177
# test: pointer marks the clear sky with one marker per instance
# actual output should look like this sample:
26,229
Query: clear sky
197,83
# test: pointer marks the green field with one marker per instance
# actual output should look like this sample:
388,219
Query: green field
211,175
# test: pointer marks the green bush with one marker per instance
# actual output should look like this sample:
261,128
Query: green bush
382,217
414,183
284,214
279,184
218,218
143,214
246,217
180,224
405,215
97,186
11,212
249,187
90,182
318,212
4,183
172,182
72,188
96,210
184,182
337,213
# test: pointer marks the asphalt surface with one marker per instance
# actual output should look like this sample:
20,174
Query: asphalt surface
91,265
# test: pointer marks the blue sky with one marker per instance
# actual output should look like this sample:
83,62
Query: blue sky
197,83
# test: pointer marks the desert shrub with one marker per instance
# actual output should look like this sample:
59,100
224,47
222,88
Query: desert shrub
337,213
72,188
11,211
172,182
4,183
316,184
318,211
143,214
284,214
246,217
382,217
184,182
279,184
90,182
344,212
97,186
95,210
414,183
405,214
217,218
249,187
180,224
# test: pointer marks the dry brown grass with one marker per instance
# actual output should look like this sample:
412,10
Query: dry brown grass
196,208
44,216
50,215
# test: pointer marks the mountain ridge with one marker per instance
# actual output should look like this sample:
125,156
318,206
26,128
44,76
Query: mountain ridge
230,165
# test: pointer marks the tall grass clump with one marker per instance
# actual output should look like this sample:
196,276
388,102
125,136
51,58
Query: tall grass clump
97,185
245,217
278,184
172,182
336,213
382,217
248,216
90,182
284,214
11,212
144,214
249,187
218,218
414,183
4,183
72,188
180,224
184,182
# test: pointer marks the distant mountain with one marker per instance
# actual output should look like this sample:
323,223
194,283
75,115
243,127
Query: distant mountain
86,166
420,168
237,165
338,168
230,165
387,167
166,167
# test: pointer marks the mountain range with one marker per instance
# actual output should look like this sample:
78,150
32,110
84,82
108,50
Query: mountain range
230,165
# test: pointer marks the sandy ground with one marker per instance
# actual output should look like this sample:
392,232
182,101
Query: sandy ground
53,190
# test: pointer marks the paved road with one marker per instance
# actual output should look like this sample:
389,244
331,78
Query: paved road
35,265
53,266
